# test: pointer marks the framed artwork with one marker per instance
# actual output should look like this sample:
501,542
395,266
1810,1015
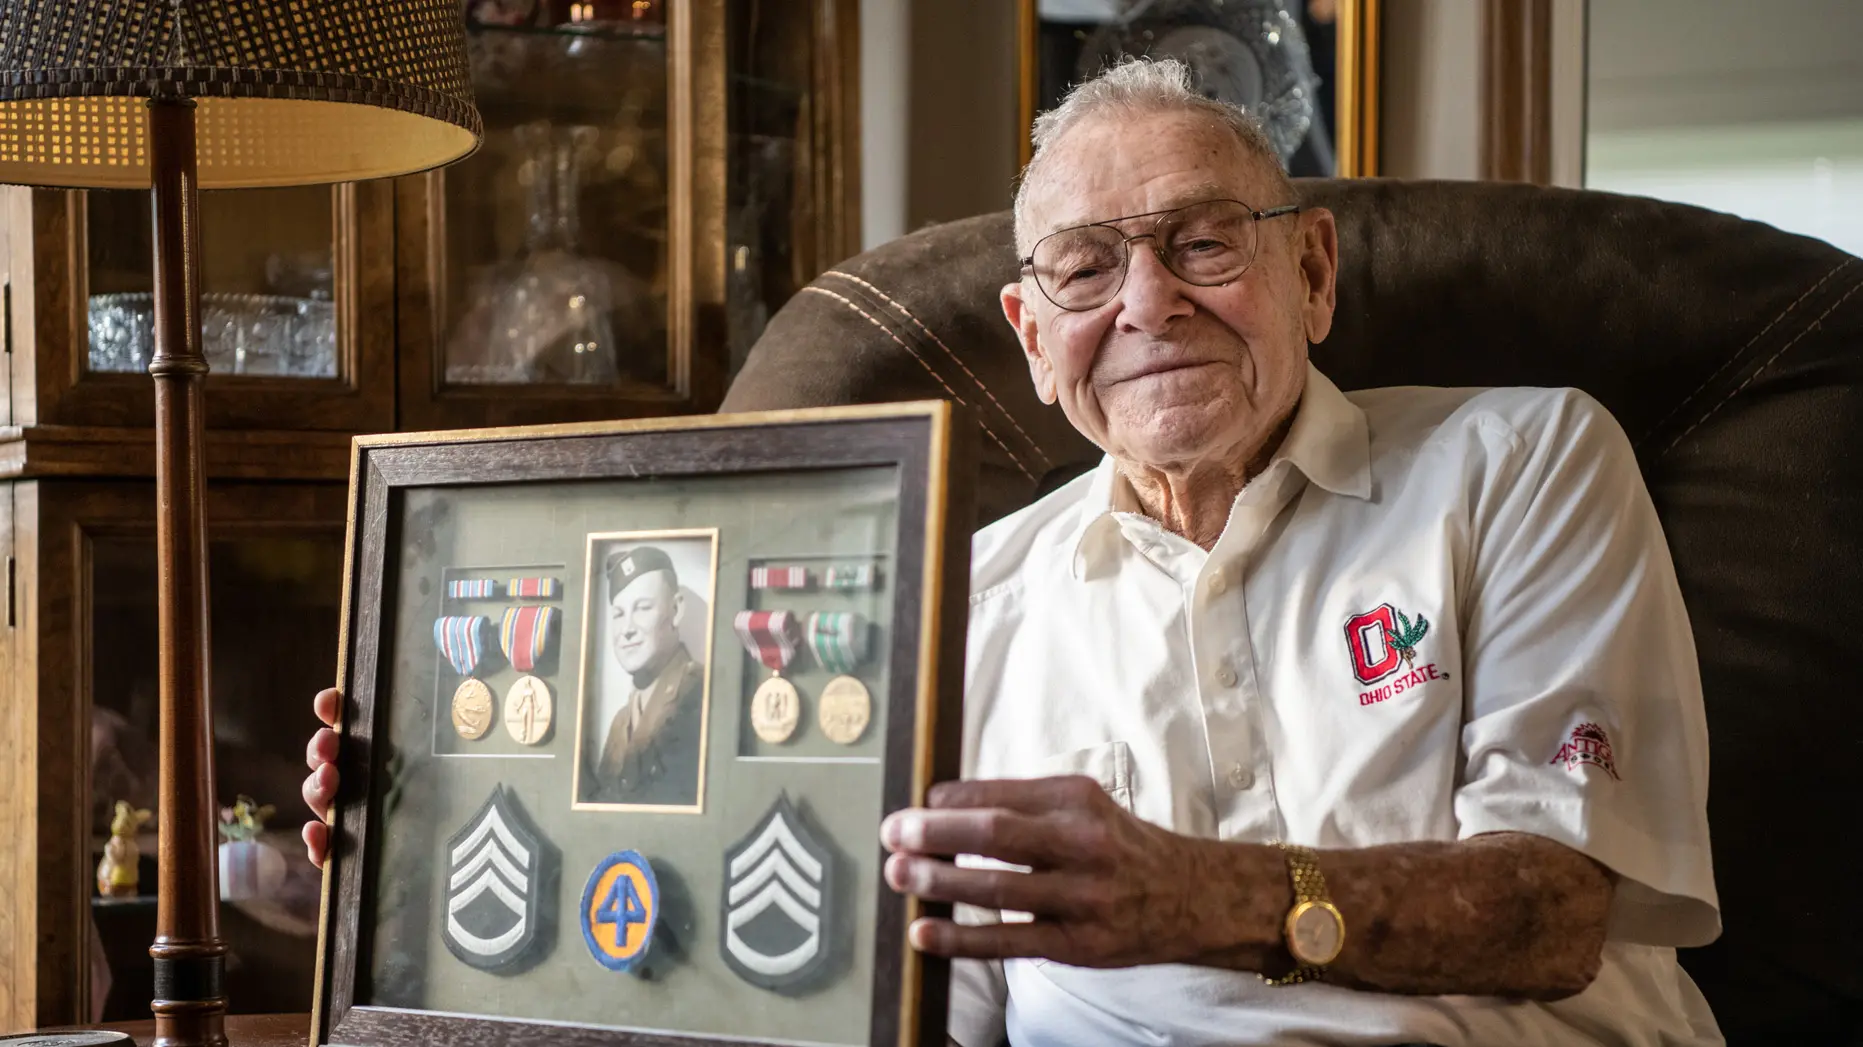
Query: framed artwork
1307,68
625,704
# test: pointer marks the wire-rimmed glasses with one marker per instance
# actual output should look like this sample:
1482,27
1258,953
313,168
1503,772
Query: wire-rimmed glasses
1205,244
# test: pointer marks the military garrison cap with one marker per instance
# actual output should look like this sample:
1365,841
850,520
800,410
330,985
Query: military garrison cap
625,566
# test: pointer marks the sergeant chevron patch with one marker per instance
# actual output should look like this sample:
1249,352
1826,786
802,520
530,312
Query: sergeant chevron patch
496,876
779,896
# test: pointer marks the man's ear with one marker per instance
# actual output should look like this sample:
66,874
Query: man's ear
679,604
1318,245
1021,316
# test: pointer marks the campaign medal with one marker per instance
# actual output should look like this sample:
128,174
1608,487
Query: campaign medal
779,577
779,885
472,589
472,710
772,637
461,638
497,869
528,710
526,636
849,577
620,905
533,588
839,640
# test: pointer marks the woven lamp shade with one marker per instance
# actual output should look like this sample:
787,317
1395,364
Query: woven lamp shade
289,92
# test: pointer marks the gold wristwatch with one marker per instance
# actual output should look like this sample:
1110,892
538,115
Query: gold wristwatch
1314,929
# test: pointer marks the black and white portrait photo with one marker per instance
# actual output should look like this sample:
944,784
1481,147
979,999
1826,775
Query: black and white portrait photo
642,708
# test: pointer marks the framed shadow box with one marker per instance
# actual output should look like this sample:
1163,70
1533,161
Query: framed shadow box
625,706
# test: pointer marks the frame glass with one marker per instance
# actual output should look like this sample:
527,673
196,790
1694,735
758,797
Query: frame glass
625,705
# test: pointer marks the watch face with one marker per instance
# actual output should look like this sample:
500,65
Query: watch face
1315,933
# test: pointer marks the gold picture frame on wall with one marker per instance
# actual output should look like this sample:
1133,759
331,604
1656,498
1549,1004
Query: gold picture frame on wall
1310,67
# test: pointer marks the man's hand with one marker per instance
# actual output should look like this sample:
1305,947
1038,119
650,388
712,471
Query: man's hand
1502,914
320,786
1107,889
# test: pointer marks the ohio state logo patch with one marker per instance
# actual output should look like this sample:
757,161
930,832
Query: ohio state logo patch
1587,745
1383,641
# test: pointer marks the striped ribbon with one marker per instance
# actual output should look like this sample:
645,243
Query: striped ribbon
462,639
839,640
771,637
525,635
472,589
849,576
534,588
779,578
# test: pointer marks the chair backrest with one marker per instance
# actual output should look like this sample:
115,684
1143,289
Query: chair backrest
1731,353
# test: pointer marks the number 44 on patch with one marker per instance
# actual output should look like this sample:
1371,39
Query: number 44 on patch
620,905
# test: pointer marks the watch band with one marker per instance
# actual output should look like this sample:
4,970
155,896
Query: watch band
1303,869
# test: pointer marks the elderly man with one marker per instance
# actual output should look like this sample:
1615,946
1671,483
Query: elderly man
1305,718
651,751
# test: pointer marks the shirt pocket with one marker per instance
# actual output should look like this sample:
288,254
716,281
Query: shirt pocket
1109,763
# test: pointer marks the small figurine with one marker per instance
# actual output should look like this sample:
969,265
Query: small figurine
249,868
116,873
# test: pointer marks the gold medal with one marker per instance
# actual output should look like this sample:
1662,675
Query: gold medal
527,710
472,709
775,710
846,709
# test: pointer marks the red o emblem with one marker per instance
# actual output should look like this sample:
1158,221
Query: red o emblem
1368,635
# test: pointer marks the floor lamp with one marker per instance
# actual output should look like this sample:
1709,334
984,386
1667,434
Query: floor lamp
176,96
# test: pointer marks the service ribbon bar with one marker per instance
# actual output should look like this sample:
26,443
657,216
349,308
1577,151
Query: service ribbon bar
839,640
771,637
462,639
526,634
534,588
472,589
849,576
779,578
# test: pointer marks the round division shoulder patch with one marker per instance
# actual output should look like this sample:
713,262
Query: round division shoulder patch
620,904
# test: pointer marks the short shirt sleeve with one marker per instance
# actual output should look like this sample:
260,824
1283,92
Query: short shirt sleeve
1583,720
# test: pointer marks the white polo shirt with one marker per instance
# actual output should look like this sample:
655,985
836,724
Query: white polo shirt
1438,613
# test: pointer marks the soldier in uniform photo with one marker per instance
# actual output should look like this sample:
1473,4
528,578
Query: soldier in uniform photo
650,749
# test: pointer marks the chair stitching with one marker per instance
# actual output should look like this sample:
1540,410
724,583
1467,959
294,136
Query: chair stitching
1854,288
908,314
1738,353
928,368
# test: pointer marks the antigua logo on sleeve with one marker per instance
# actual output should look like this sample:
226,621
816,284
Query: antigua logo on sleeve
1383,641
1587,745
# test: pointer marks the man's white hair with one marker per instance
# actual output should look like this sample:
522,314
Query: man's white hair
1139,86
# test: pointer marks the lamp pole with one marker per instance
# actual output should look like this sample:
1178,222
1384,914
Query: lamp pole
190,958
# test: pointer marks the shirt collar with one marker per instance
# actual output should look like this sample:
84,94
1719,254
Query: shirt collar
1329,443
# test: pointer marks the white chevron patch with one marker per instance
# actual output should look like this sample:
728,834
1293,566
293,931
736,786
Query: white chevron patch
492,885
778,885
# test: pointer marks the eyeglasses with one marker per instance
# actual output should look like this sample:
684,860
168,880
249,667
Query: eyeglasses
1204,244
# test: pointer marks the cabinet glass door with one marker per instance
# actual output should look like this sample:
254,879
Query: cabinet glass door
275,620
268,282
557,234
657,177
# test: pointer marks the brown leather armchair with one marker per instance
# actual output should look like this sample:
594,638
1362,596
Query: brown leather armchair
1732,354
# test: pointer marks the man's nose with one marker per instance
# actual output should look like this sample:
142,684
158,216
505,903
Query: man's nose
1153,295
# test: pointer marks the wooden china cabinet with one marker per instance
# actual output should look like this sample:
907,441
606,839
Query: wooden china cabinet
657,177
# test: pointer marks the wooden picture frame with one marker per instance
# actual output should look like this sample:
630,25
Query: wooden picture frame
854,520
1350,79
